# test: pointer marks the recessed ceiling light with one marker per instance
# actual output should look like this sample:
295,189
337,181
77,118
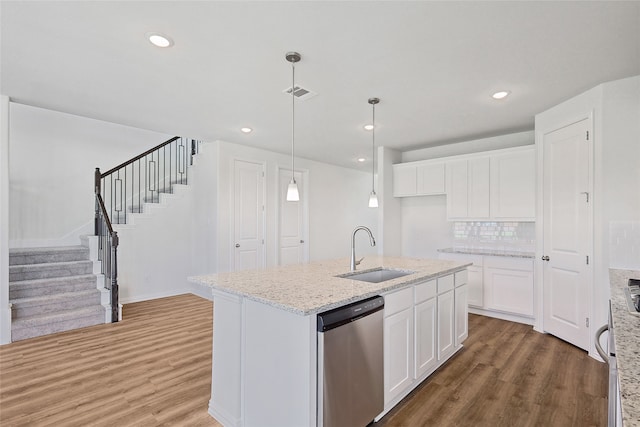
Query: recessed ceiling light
368,127
361,159
159,40
501,95
246,130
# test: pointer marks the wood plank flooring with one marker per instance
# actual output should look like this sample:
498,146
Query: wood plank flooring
154,369
509,375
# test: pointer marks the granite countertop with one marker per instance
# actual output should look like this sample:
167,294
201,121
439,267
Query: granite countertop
312,288
490,252
627,340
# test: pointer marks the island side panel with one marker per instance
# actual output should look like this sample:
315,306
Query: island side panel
280,364
225,405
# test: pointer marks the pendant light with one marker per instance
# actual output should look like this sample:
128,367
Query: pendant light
292,190
373,198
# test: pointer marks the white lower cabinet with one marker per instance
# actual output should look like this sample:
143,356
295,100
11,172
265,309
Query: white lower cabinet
421,332
462,313
446,319
509,284
499,286
398,353
425,336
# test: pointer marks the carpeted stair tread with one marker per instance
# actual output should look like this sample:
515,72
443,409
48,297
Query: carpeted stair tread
40,255
34,326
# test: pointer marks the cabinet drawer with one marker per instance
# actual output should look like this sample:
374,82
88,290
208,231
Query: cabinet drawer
445,283
398,301
425,290
461,278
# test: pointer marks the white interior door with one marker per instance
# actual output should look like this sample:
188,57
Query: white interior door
248,216
567,233
292,226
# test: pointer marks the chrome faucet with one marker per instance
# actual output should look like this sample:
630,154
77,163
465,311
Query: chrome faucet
353,245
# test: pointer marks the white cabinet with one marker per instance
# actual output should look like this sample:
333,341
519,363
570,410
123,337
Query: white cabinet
462,313
497,286
418,179
509,285
398,353
468,188
398,342
404,180
513,186
425,321
475,289
495,186
420,332
446,317
430,179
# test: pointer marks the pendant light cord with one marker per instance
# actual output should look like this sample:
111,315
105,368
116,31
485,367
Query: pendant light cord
373,149
293,119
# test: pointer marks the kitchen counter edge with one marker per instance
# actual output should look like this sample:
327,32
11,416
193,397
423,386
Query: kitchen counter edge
488,252
367,289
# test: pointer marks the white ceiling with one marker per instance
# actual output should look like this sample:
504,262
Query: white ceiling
434,66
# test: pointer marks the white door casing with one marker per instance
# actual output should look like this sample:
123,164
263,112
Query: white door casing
248,216
292,221
567,232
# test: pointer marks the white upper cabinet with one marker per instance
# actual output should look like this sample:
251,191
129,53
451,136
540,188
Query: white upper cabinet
513,185
404,180
418,179
495,185
468,188
430,179
499,186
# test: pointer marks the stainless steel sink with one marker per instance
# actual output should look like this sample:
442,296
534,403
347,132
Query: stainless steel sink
376,275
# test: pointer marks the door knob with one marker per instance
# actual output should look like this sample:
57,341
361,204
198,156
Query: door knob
545,258
237,245
301,241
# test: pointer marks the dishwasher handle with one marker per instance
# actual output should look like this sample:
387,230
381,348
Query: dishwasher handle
601,352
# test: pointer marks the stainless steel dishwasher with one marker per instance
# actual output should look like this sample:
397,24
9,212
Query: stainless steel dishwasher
350,364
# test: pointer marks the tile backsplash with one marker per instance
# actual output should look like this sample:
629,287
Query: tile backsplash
624,245
511,236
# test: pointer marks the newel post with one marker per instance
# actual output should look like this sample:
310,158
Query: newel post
115,301
96,191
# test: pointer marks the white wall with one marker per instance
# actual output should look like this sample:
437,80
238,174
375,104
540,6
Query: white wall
338,202
390,215
5,311
621,173
517,139
53,158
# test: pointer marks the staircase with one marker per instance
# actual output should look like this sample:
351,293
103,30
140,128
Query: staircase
52,290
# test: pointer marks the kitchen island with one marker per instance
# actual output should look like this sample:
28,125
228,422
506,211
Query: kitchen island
264,341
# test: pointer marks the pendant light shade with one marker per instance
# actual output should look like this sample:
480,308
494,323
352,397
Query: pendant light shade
373,198
292,191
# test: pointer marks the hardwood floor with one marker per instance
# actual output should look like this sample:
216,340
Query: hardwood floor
151,369
154,369
509,375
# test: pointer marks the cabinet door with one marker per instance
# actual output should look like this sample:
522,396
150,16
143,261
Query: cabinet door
513,185
446,321
404,180
475,290
509,285
462,314
425,337
398,353
478,187
457,189
430,179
